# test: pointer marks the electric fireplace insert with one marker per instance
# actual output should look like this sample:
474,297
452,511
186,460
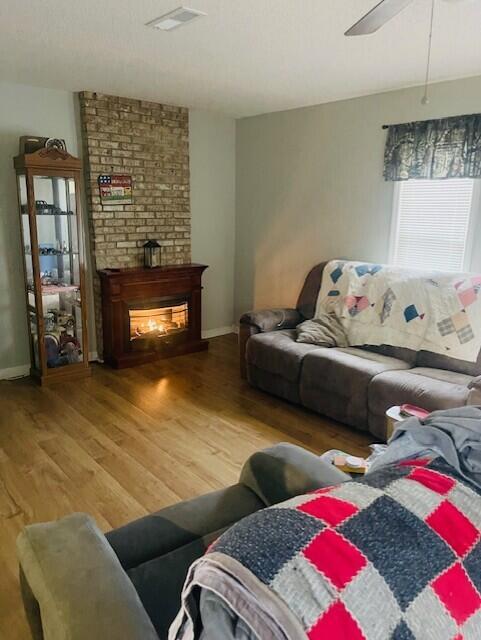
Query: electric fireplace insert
150,313
164,321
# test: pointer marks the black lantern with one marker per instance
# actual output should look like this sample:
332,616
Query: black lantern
151,254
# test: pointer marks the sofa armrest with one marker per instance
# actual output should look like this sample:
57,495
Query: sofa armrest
285,471
260,322
81,589
272,319
474,397
475,383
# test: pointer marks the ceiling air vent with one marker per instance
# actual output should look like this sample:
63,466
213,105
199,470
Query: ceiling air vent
175,18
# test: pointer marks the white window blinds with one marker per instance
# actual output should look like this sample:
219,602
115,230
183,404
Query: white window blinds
431,224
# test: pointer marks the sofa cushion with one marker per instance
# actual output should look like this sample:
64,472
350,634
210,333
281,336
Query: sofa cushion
344,375
159,581
278,352
408,355
159,533
428,388
438,361
273,383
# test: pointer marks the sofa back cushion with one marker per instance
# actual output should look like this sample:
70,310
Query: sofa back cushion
438,361
401,353
307,301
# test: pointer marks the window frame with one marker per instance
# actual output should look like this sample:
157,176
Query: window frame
474,220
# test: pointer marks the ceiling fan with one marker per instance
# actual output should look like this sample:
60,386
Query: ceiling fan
378,16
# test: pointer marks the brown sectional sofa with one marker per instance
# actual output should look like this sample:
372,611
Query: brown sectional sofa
354,385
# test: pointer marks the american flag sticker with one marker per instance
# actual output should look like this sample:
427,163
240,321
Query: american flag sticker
115,189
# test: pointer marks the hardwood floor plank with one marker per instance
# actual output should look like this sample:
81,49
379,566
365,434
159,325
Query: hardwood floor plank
124,443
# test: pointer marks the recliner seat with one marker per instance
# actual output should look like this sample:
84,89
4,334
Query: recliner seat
335,381
424,387
275,362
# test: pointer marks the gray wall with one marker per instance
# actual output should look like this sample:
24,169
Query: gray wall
309,187
31,110
212,185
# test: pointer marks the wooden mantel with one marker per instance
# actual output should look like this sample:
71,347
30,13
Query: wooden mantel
125,289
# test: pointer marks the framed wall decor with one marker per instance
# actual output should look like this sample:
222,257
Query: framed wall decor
115,189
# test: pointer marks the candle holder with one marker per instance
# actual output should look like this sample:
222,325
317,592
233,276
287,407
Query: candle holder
152,254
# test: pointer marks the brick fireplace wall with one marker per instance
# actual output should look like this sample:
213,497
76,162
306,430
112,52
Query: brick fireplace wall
150,142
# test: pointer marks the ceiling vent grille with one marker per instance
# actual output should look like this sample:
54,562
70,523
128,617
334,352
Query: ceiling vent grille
175,18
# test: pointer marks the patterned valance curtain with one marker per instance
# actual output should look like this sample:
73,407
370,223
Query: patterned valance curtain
434,149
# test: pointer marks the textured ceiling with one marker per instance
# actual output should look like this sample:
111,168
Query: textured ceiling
246,57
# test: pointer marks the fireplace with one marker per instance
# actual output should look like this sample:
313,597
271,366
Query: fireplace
151,313
161,322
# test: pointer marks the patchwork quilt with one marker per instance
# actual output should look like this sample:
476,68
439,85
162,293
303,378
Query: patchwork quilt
395,555
379,304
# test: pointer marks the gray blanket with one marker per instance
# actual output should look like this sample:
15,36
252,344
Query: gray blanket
453,434
220,622
223,600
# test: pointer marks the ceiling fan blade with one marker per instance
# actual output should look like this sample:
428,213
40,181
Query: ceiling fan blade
377,17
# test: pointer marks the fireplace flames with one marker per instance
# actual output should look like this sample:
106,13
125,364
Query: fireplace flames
159,322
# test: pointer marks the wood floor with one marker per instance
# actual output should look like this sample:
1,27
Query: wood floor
125,443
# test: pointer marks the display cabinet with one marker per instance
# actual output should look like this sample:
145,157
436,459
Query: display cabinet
48,183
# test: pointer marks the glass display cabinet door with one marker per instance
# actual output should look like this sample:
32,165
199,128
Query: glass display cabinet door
29,271
59,269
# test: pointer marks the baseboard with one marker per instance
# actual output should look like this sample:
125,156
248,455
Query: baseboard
220,331
23,370
15,372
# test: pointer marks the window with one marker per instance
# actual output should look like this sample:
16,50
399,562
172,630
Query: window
433,223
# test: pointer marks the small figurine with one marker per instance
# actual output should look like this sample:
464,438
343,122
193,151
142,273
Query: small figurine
63,351
42,207
49,321
52,351
70,346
